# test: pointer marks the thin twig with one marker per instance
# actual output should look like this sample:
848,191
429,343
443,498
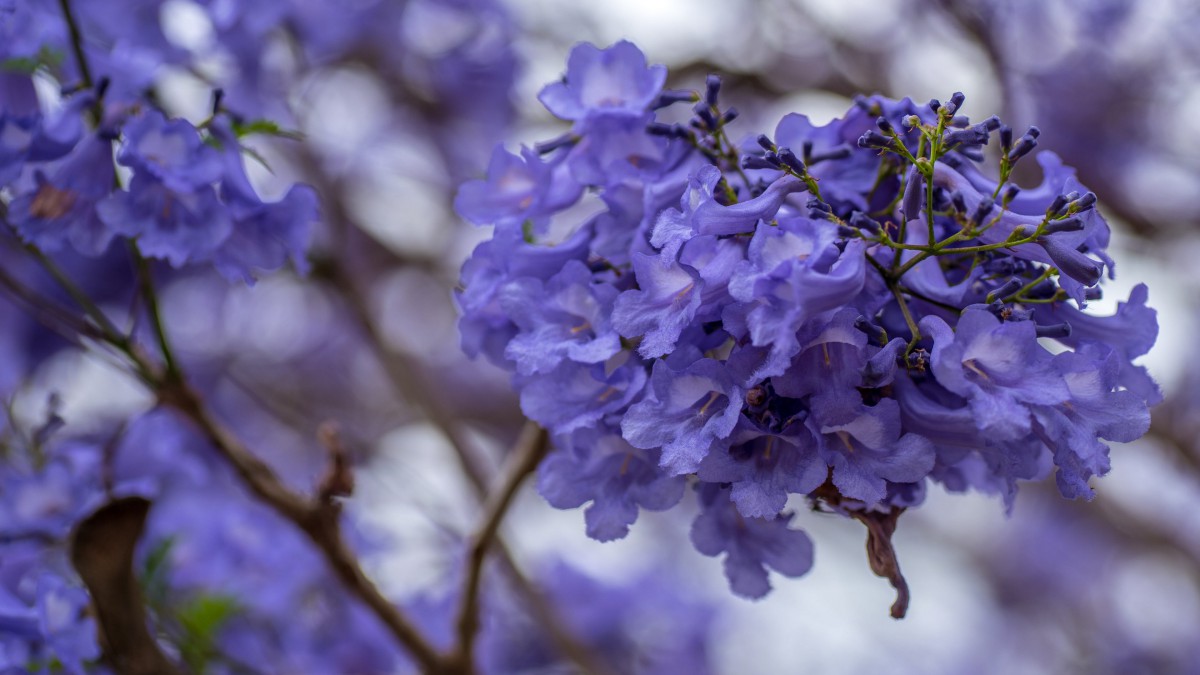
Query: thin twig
321,525
316,519
146,285
405,375
530,449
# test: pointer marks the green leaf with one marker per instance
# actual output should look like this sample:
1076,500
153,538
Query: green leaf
201,620
153,576
28,65
265,127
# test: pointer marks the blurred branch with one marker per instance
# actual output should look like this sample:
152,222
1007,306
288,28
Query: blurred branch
102,552
315,518
405,374
523,460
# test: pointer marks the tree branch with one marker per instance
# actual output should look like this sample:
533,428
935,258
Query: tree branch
530,448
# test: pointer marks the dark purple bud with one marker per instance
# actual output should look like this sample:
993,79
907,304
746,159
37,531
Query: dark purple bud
806,151
1015,314
712,87
757,162
766,143
704,111
728,116
912,195
1072,224
1087,201
1006,289
875,334
672,96
955,103
1093,293
960,121
1033,132
791,161
1010,193
981,212
218,96
1022,148
952,160
841,152
1046,288
864,222
1006,137
874,139
934,104
815,204
1058,330
969,136
884,125
959,203
1072,262
1057,206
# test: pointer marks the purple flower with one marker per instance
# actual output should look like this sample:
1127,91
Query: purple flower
999,367
485,326
845,177
685,412
565,318
574,396
1096,409
516,189
967,457
793,273
751,545
597,465
171,206
62,207
866,447
604,82
263,236
170,151
764,465
1131,332
667,298
700,212
178,227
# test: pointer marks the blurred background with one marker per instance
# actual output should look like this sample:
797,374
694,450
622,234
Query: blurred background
398,109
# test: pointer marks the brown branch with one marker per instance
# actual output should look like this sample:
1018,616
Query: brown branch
102,552
314,518
530,449
404,374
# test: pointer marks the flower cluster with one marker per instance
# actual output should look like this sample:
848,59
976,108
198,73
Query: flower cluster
845,312
188,200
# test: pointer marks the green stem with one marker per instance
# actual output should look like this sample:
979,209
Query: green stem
150,296
908,317
85,71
